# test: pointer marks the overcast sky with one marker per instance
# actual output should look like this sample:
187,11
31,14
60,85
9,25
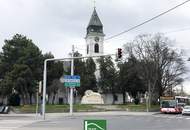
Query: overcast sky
54,25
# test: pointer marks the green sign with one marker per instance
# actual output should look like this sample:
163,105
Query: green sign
71,84
71,80
94,124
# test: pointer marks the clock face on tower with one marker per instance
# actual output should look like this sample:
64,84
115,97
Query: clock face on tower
96,39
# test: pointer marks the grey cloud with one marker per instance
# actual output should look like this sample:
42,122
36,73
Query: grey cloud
57,23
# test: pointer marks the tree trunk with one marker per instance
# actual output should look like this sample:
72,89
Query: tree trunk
48,100
149,94
3,97
124,96
114,96
23,99
30,98
53,99
27,98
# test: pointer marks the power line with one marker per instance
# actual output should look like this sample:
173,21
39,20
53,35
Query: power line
168,32
177,30
147,21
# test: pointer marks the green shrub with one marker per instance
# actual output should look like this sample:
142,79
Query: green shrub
14,100
136,101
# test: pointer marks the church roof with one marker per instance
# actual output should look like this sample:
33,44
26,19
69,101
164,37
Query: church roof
94,20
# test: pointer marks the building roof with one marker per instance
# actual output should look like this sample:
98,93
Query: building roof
94,20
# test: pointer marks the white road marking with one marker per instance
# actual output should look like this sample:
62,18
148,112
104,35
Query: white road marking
13,124
179,117
172,117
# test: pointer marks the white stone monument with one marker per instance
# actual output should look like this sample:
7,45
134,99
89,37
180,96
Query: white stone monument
91,97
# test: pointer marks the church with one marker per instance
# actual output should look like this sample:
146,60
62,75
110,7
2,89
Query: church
94,47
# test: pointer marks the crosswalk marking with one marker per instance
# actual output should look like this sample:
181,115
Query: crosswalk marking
13,124
7,127
179,117
172,117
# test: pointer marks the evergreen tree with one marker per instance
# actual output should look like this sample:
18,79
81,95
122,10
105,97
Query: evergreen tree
88,79
54,72
108,76
20,66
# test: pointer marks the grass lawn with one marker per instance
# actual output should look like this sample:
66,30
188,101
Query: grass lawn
85,108
139,107
53,108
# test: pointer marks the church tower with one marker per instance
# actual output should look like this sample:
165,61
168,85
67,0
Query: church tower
94,36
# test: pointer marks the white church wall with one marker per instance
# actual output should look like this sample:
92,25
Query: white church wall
108,98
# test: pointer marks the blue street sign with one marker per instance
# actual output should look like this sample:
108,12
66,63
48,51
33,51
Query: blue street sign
71,81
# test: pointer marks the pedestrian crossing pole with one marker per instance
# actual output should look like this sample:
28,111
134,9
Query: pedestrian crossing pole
38,93
37,102
71,88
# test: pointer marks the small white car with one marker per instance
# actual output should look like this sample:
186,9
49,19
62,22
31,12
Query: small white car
186,110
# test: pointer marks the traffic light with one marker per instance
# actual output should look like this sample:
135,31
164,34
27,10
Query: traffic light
39,87
119,53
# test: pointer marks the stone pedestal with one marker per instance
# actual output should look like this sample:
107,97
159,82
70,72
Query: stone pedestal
91,97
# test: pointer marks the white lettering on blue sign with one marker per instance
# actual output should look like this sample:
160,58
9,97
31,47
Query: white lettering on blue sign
72,79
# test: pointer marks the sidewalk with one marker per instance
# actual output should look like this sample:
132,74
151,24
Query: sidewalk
57,115
112,113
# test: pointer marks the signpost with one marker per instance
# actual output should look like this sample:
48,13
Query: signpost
71,81
71,88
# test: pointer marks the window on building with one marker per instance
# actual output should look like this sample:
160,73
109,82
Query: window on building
115,97
87,50
60,100
96,48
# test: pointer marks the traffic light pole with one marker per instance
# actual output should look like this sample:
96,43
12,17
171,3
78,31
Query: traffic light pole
45,77
44,88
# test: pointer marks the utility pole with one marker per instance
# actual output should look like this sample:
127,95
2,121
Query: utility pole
71,88
148,97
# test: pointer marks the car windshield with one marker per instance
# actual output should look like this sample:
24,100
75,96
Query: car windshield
187,107
169,104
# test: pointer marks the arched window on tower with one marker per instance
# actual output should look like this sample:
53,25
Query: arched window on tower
87,50
96,48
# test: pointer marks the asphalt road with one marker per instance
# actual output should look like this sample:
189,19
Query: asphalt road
114,122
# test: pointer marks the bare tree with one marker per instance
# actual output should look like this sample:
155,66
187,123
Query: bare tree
161,66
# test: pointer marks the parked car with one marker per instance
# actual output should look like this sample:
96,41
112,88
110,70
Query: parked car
186,110
4,109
